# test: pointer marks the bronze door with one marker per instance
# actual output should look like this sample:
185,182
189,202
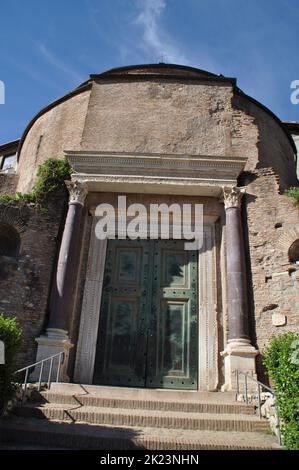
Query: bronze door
148,320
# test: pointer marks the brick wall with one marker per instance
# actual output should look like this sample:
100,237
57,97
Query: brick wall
25,283
8,183
269,221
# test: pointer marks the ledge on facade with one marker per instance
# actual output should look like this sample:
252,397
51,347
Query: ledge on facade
198,175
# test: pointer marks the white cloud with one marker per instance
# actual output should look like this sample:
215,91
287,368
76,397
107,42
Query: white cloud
59,64
155,41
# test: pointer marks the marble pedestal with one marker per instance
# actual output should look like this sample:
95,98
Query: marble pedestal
53,342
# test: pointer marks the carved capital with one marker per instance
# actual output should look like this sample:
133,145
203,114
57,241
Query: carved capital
78,192
232,197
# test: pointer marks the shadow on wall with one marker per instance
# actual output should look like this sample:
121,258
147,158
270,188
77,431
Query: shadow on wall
9,250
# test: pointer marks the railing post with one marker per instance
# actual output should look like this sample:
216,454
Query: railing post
237,382
40,376
246,388
259,400
59,365
260,386
25,386
50,373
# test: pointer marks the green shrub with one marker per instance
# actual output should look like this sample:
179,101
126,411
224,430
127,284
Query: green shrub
293,192
282,362
51,176
10,335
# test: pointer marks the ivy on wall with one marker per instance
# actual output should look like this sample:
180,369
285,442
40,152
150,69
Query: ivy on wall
51,176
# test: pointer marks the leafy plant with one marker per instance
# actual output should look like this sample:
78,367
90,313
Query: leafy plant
293,192
50,178
10,335
282,362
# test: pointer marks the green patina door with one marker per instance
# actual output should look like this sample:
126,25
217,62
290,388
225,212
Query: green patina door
148,321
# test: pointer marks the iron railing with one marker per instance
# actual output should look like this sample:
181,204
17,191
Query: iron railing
27,371
259,387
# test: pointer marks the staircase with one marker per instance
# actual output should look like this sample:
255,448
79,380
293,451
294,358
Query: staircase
72,416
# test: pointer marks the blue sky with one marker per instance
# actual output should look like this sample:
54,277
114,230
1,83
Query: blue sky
47,47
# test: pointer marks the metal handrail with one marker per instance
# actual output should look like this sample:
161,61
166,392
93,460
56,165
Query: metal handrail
50,359
260,386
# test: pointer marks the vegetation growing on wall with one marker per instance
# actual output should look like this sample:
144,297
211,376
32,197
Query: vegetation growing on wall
50,178
282,362
10,335
293,192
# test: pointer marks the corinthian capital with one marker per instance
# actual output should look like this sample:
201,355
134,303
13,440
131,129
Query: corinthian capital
78,192
232,196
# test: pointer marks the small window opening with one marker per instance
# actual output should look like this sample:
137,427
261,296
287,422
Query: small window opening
9,163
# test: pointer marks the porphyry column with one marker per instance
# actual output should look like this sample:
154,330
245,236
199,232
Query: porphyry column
239,354
61,304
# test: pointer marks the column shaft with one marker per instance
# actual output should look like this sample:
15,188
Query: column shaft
57,338
61,304
65,277
239,354
236,276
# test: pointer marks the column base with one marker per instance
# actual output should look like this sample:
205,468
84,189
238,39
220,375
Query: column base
53,342
240,355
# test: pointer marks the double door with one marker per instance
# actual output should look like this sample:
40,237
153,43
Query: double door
148,321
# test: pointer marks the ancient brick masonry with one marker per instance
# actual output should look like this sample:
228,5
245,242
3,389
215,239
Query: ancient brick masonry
25,283
275,289
8,183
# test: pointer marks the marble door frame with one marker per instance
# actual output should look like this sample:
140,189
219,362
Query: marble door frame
207,315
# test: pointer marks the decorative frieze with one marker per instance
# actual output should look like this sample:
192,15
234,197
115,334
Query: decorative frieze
168,174
207,316
90,314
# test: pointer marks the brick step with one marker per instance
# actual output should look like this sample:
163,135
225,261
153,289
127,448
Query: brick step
144,418
132,393
169,405
102,437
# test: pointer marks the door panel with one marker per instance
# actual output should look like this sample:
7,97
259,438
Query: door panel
148,321
121,346
172,347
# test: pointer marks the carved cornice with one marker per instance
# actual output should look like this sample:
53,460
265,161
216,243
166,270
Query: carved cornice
179,174
232,197
95,163
78,191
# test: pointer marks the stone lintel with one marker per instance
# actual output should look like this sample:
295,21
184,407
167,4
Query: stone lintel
198,175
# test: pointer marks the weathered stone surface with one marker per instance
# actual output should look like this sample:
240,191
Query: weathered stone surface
8,183
55,131
278,319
